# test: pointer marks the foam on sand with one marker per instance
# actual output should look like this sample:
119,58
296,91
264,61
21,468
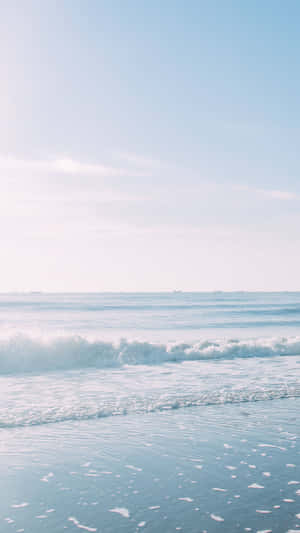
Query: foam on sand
121,510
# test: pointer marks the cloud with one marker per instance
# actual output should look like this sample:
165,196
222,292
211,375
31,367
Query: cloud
271,193
12,163
34,189
67,165
71,166
281,195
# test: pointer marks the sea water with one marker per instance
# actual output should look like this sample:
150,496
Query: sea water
162,412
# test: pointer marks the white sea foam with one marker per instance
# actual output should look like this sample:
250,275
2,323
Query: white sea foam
136,468
57,379
217,518
22,353
82,394
19,505
122,511
81,526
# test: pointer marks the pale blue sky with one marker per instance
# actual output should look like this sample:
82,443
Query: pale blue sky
149,145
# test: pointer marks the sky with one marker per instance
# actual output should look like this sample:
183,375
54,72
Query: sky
149,146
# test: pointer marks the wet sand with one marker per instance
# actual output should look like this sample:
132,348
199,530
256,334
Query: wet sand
219,468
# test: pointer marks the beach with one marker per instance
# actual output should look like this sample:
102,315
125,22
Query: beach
149,271
198,433
222,468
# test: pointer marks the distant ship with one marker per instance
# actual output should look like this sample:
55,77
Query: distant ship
35,292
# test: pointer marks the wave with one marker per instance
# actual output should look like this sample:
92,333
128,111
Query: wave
207,306
21,354
44,416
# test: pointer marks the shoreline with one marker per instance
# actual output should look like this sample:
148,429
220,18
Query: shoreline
217,468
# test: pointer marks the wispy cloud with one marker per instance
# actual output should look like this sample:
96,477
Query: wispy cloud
271,193
70,166
281,195
36,188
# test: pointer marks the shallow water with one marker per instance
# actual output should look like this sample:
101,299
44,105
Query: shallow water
35,399
226,468
157,412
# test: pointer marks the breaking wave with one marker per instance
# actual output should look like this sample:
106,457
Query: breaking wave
43,415
19,354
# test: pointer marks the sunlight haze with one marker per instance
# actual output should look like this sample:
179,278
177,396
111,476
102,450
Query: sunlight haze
149,146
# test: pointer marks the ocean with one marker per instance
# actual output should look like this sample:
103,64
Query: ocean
154,411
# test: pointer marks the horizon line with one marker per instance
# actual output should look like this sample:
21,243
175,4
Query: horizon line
164,291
